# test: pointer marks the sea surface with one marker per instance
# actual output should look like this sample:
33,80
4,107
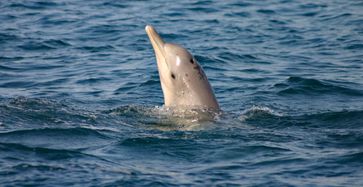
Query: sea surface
81,102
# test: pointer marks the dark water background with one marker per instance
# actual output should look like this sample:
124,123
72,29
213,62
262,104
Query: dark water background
80,100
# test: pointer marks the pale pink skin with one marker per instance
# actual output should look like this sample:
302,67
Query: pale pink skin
182,79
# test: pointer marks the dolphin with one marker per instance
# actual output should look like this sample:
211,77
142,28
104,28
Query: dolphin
183,81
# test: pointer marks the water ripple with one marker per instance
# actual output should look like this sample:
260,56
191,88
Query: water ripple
81,101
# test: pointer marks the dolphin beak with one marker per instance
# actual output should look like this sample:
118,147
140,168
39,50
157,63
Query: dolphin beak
156,42
160,54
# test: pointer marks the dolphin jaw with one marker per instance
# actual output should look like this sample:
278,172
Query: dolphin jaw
163,67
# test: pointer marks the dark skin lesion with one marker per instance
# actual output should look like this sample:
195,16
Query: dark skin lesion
200,72
172,75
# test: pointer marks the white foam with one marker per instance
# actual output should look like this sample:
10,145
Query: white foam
258,110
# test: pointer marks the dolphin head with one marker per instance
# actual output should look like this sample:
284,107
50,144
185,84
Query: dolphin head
182,79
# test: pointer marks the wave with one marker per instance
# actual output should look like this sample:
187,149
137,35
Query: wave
56,138
46,113
20,148
39,113
304,86
34,5
268,117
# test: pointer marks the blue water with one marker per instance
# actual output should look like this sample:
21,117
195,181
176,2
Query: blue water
81,103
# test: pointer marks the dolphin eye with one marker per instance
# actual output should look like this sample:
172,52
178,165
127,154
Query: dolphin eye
172,75
192,61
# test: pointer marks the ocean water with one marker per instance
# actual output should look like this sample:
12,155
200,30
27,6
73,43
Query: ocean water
81,103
